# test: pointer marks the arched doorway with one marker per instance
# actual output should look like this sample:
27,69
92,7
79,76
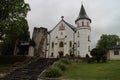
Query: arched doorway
60,54
61,49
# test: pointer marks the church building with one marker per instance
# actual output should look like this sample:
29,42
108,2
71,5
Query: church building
65,39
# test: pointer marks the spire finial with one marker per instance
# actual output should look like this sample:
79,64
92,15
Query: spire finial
62,17
82,2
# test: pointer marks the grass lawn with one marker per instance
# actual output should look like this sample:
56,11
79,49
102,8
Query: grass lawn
94,71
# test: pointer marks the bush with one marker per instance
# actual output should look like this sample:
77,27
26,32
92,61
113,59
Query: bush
98,54
52,72
65,61
60,65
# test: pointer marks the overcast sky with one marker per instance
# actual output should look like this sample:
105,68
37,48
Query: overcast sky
105,15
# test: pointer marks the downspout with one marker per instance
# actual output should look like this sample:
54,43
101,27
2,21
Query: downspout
74,43
49,45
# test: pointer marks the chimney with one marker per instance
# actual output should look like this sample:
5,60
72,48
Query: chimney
118,43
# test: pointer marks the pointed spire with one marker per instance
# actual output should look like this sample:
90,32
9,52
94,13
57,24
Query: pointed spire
82,14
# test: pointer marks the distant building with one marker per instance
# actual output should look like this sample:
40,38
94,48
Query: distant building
65,39
114,52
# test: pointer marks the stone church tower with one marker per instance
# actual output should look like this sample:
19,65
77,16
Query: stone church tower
83,33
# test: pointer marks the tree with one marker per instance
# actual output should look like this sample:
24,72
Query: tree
98,54
13,25
107,41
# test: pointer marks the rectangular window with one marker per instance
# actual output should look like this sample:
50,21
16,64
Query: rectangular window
78,34
116,52
88,24
78,43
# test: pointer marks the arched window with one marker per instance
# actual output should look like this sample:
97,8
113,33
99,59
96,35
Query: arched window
78,34
88,38
52,44
78,43
61,44
70,43
87,23
82,23
62,27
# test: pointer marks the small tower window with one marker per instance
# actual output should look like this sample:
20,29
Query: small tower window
61,44
78,24
78,34
87,23
82,23
88,38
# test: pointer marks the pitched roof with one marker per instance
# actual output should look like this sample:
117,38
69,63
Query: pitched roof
82,14
71,26
68,24
115,47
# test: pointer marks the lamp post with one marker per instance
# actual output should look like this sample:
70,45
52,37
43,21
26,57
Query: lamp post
74,49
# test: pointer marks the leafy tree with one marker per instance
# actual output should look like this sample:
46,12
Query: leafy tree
107,41
13,25
99,54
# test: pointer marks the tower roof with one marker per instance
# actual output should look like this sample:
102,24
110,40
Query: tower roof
82,14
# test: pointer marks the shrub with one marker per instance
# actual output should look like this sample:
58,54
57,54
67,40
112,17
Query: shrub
65,61
98,54
60,65
52,72
67,56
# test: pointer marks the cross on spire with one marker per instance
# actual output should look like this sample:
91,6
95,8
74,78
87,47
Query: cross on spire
62,17
81,1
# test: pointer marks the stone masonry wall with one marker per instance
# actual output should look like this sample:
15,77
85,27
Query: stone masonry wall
40,39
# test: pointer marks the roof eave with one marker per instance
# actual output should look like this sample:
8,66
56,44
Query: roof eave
83,18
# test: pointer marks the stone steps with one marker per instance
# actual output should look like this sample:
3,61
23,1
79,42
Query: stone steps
31,71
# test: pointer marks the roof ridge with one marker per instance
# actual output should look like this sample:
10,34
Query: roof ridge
70,25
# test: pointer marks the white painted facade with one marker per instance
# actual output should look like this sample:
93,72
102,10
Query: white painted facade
66,39
83,37
56,36
112,56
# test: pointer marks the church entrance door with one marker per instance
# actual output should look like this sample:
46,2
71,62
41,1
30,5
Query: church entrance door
61,54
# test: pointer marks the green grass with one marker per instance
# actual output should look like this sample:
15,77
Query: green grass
94,71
